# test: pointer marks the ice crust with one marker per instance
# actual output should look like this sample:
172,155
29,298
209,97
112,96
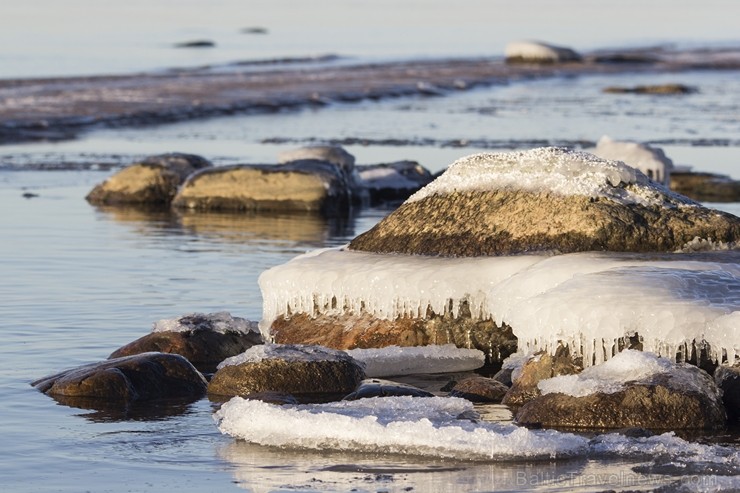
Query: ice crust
221,322
585,300
286,352
395,360
430,426
611,376
549,170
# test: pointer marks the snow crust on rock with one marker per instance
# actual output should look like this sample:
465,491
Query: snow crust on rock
635,154
588,301
425,426
549,170
431,426
611,376
539,51
221,322
285,352
395,360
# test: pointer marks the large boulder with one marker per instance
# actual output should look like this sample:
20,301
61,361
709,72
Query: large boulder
544,200
298,186
539,52
204,339
706,187
307,372
634,389
152,181
124,380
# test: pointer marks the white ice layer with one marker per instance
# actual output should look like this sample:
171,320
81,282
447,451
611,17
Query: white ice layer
548,170
285,352
221,322
395,360
429,426
404,425
610,377
585,300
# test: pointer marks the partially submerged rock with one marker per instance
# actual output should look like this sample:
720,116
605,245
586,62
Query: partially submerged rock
393,182
299,186
307,372
547,199
480,389
204,339
385,388
539,52
633,389
705,187
335,155
124,380
152,181
660,89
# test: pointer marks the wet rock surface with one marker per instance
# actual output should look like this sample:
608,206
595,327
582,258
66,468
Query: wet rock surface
124,380
480,389
540,366
375,387
152,181
307,372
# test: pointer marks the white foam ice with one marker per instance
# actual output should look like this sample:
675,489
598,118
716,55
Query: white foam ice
395,360
609,377
588,301
432,426
426,426
550,170
221,322
285,352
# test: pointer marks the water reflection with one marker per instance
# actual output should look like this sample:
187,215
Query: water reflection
104,411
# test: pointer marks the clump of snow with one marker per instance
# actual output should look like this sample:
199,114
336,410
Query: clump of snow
221,322
650,160
609,377
549,170
285,352
587,301
426,426
395,360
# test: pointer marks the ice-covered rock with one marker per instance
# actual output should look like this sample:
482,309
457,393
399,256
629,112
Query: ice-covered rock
633,389
479,389
539,52
543,200
307,185
152,181
141,377
307,372
652,161
336,155
204,339
395,360
374,387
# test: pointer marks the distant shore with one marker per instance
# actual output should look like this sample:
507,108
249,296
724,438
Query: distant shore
61,108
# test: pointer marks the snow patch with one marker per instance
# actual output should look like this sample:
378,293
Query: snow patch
221,322
395,360
549,170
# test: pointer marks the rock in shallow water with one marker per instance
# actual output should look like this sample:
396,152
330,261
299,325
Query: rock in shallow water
548,199
132,378
152,181
375,387
307,372
479,389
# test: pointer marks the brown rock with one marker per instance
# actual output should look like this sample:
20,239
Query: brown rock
132,378
652,89
480,389
492,219
198,338
307,372
541,366
153,181
299,186
662,402
706,187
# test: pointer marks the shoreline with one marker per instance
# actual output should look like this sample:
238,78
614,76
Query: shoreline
57,109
